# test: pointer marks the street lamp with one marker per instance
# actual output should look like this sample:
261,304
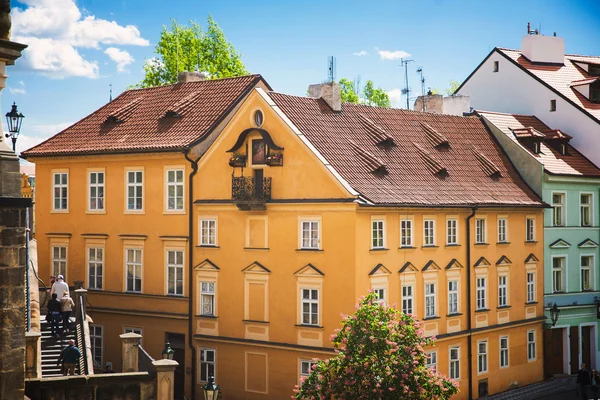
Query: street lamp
14,119
211,390
168,353
554,314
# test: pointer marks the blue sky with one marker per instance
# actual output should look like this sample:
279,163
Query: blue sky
79,47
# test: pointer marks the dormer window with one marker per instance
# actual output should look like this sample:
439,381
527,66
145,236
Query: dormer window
563,149
595,92
594,69
536,147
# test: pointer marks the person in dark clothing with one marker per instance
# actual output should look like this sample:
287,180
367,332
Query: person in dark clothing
69,357
54,309
583,381
595,382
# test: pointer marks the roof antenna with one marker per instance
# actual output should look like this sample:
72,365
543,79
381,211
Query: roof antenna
331,69
110,91
420,71
406,89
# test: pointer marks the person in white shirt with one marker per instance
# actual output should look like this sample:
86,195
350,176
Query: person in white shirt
60,287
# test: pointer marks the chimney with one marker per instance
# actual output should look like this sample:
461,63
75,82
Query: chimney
543,49
438,104
330,92
185,76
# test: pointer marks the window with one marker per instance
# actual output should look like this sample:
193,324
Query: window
208,232
482,360
586,273
536,147
406,233
531,345
496,66
377,232
380,295
432,360
452,297
503,351
428,232
586,209
558,274
530,229
502,291
558,208
208,362
595,90
310,235
452,231
310,306
502,236
95,267
563,149
134,270
133,330
306,368
455,362
59,260
594,69
530,287
430,300
552,105
135,190
480,230
96,191
207,298
96,344
175,190
481,293
61,191
407,299
175,272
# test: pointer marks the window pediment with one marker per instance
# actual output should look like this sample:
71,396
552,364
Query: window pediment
560,244
309,270
454,264
531,258
431,266
588,244
503,261
379,269
256,268
482,262
206,265
408,267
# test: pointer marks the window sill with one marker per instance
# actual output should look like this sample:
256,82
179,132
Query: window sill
174,212
453,245
482,310
379,249
531,241
430,246
431,318
454,315
482,244
309,326
100,212
134,212
503,307
406,247
502,242
177,296
251,321
257,248
206,246
207,316
310,250
59,212
531,303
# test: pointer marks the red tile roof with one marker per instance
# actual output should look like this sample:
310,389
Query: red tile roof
414,166
574,163
135,121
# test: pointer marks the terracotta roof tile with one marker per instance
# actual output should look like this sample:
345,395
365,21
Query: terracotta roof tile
488,167
121,114
378,134
434,137
178,109
372,162
431,162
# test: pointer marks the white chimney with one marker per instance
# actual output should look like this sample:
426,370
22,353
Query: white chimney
330,92
543,49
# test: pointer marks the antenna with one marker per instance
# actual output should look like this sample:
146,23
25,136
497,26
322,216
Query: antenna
110,91
331,69
406,91
420,71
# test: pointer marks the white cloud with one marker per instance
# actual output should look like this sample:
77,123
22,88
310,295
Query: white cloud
392,55
121,57
395,96
19,89
360,53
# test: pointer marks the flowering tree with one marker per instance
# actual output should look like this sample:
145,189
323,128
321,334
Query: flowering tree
379,356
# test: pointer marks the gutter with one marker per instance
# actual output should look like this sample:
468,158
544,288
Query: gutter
469,337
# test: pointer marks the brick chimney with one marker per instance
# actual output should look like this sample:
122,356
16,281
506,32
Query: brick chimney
330,92
185,76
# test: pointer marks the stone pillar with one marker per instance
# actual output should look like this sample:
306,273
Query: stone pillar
165,379
33,351
130,357
80,298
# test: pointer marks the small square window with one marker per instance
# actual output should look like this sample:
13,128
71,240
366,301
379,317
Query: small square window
496,66
552,105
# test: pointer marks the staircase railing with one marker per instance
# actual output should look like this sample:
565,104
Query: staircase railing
86,361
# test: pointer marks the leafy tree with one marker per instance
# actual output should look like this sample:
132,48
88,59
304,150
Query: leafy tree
349,92
189,48
369,95
379,356
452,86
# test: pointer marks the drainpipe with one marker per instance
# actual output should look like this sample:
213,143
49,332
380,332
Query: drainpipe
469,338
194,165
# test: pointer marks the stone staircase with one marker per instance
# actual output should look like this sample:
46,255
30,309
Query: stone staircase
51,348
539,390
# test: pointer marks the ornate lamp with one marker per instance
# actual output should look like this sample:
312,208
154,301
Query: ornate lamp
168,353
14,119
554,314
211,390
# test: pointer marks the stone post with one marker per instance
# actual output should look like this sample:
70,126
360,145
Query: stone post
165,379
131,341
80,298
33,351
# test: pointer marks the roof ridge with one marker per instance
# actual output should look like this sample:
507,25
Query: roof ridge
376,131
122,113
487,165
433,165
194,82
502,113
434,137
372,161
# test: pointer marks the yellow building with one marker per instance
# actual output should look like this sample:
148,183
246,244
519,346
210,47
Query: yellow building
302,205
112,210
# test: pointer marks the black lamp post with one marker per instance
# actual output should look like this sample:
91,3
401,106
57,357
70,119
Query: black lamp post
211,390
554,314
14,119
168,353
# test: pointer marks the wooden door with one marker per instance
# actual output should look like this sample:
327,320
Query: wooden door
258,183
553,352
586,347
177,341
574,346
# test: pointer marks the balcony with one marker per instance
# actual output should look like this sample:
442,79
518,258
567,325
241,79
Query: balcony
250,193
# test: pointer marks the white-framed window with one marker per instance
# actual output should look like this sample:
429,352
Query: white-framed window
96,191
432,360
59,260
430,300
530,287
481,293
585,205
503,351
453,297
452,231
306,368
406,233
208,363
310,232
310,306
480,230
530,229
454,362
137,331
429,232
134,270
60,195
531,350
587,274
558,274
174,187
135,190
407,299
380,292
502,290
502,230
96,342
175,272
482,356
377,234
95,267
208,232
558,209
207,298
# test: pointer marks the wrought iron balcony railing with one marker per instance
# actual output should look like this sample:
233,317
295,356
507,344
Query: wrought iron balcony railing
246,190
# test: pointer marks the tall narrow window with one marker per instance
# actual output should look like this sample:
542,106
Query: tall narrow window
586,273
531,345
502,228
481,293
310,306
95,267
208,232
61,191
134,270
530,287
552,105
59,260
135,190
407,299
480,230
175,190
496,66
558,209
429,232
175,272
208,362
430,300
452,231
96,191
207,298
306,368
406,233
558,274
310,235
503,351
96,342
432,360
586,209
482,359
377,234
455,362
502,291
530,229
452,297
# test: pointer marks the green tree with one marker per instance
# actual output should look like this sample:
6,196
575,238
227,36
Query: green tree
375,96
189,48
452,86
349,92
379,356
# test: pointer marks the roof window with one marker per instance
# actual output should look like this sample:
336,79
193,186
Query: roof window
121,114
488,167
594,69
374,164
376,132
183,105
432,164
436,139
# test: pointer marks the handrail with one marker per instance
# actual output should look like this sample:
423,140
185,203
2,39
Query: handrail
86,362
145,361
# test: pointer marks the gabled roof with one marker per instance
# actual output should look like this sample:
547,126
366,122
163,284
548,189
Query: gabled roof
138,124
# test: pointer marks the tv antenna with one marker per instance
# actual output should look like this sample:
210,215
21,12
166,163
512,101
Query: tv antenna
420,72
110,92
331,69
406,91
